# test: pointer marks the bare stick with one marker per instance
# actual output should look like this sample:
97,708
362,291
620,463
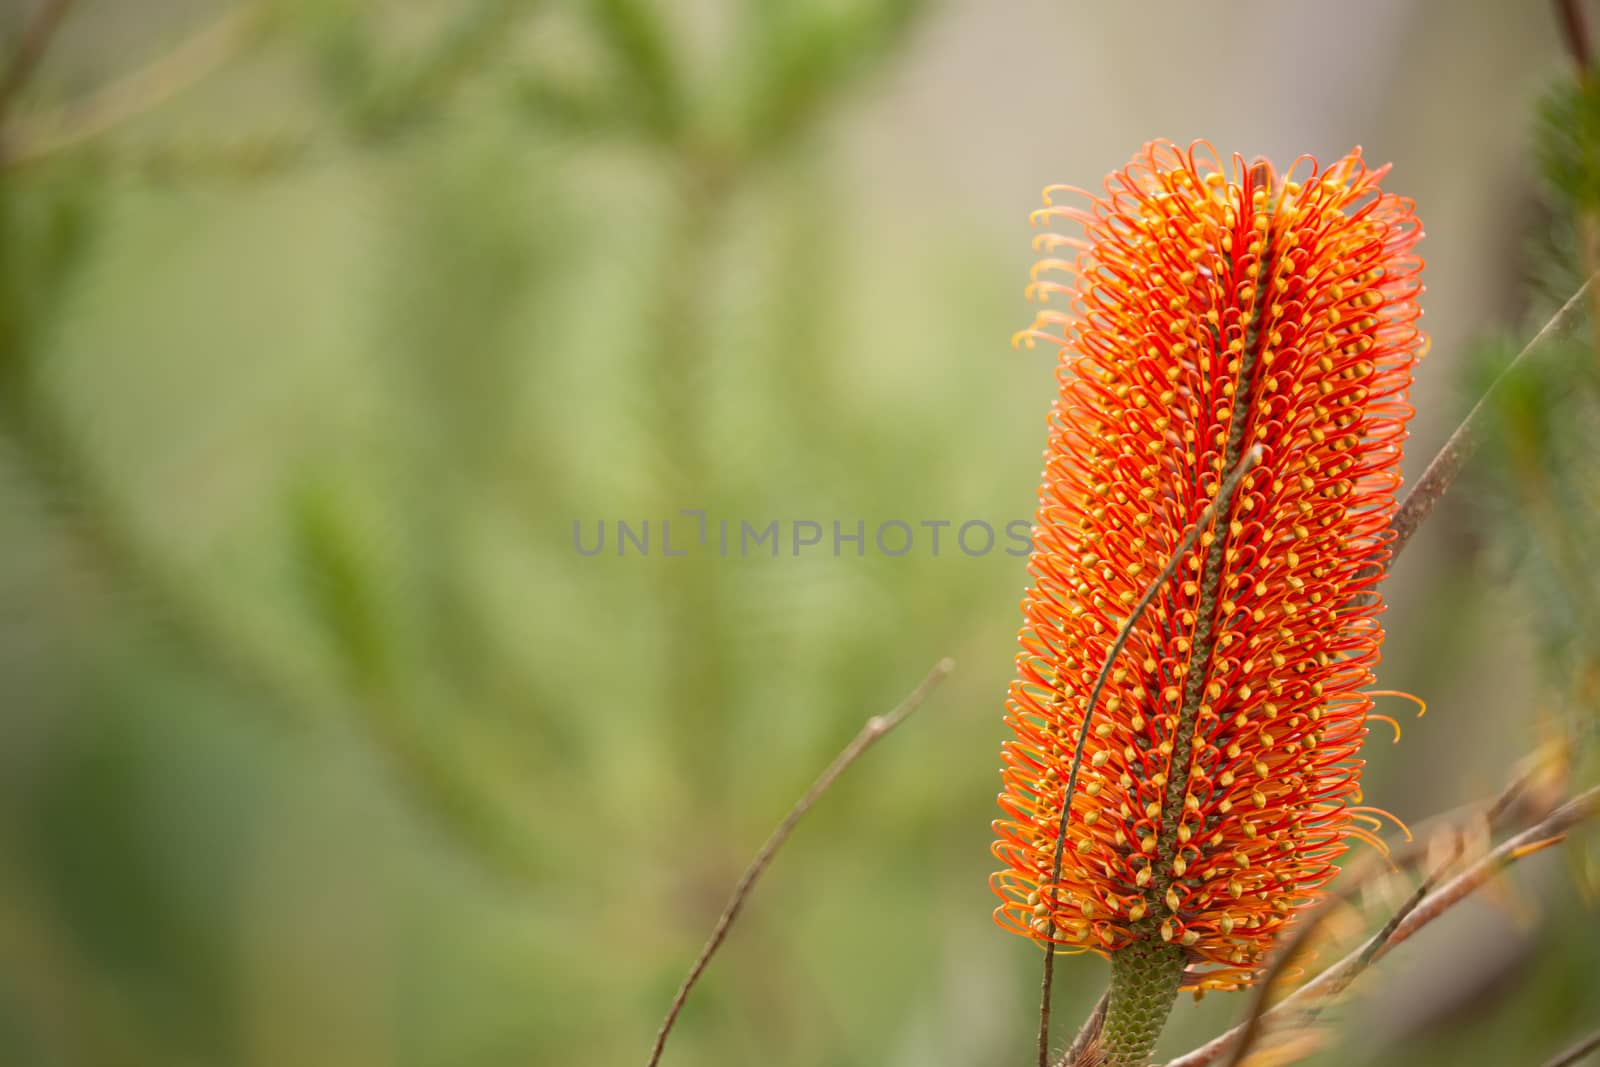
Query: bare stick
1253,1023
1335,979
1220,504
1385,935
1491,815
876,727
1511,794
191,60
1251,1028
36,38
1387,931
1576,1052
1575,31
1090,1030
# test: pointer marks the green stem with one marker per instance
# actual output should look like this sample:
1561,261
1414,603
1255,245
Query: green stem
696,685
1144,986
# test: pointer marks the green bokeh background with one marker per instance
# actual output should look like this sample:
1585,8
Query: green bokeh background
319,742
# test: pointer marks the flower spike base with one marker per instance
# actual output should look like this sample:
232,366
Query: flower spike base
1144,985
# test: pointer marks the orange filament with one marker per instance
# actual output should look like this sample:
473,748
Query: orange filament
1389,720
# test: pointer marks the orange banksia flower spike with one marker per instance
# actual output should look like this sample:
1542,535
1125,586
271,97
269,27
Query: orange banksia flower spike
1212,319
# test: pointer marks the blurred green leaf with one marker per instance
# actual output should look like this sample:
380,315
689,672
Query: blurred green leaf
1567,142
643,61
380,95
803,55
46,231
336,569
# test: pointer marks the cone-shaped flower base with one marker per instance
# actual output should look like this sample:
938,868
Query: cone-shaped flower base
1144,984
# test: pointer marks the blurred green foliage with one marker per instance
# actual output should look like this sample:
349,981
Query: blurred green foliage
325,745
1537,494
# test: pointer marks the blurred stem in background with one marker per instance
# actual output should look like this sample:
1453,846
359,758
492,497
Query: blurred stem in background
1574,25
1538,496
48,222
797,59
697,684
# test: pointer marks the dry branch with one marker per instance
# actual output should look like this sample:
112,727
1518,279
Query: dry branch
1331,982
876,728
1575,32
34,43
188,62
1254,1018
1088,1032
1458,824
1447,463
1576,1052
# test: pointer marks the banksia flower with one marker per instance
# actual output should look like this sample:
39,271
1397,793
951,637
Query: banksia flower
1207,315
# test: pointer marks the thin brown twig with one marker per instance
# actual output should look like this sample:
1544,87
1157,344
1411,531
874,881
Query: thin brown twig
1303,933
1512,793
1253,1023
1381,941
1336,978
1517,801
35,42
1411,904
1491,814
1575,31
1447,463
875,728
1046,983
1216,505
1577,1052
191,60
1088,1032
